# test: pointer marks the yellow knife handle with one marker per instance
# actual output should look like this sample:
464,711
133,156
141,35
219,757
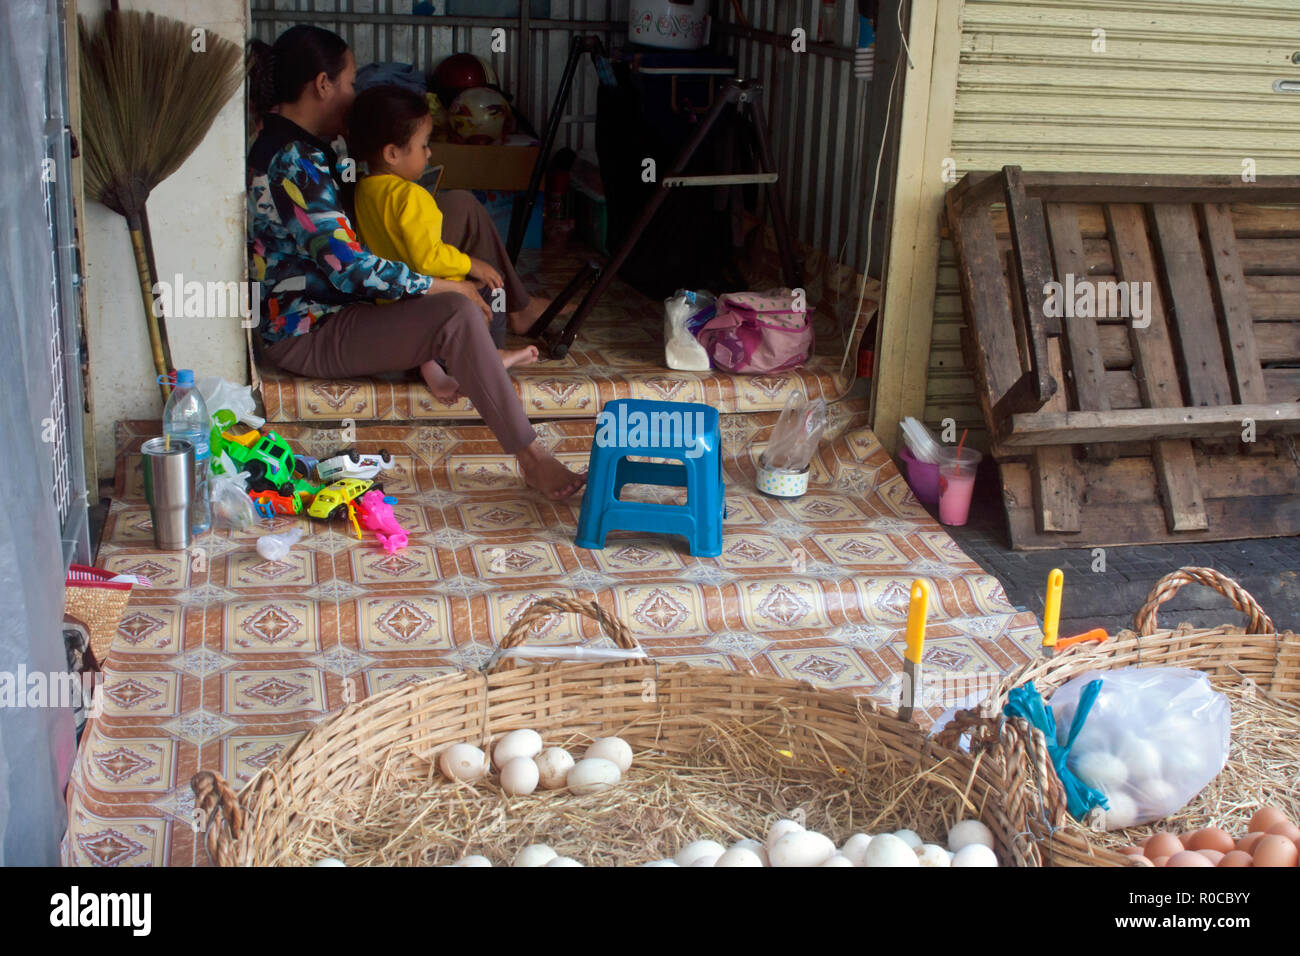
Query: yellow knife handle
917,609
1052,607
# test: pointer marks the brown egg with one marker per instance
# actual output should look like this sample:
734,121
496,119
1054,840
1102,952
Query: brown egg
1160,861
1188,858
1132,851
1264,818
1214,856
1247,843
1211,838
1275,850
1162,844
1285,828
1237,858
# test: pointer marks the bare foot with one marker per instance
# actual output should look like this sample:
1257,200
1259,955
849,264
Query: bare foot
442,385
542,471
512,357
520,322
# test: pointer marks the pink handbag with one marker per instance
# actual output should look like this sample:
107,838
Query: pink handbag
755,333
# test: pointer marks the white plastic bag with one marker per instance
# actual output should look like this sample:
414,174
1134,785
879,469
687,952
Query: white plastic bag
1154,739
231,506
218,394
682,350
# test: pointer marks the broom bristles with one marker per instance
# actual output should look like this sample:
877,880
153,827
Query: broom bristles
148,99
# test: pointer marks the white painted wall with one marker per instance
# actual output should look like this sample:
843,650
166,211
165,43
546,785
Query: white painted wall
197,219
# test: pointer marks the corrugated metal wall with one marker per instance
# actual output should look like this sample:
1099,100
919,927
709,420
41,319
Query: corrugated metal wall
1181,87
817,112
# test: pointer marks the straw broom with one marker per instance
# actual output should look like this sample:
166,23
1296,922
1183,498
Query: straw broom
150,88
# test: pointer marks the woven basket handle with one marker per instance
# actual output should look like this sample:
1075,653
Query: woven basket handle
1145,620
543,608
217,809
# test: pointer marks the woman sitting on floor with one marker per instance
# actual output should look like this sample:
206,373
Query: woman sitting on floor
321,289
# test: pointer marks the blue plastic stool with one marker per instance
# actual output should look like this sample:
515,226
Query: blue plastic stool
700,519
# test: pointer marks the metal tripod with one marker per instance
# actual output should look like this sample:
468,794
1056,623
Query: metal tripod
747,97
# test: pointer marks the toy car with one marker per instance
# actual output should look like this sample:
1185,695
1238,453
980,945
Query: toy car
280,504
268,459
353,464
333,500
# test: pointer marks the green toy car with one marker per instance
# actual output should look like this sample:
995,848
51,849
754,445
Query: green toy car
268,459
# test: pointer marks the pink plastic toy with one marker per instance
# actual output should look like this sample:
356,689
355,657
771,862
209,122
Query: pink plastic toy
376,514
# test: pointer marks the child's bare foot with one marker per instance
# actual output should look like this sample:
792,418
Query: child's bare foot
520,322
512,357
542,471
442,385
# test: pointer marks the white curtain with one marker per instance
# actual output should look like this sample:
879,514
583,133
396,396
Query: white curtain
37,745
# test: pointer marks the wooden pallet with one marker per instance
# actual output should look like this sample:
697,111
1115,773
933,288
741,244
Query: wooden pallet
1123,424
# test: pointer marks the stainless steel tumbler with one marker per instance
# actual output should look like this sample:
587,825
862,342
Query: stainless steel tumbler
169,488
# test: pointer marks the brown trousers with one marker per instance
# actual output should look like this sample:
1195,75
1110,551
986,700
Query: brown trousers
369,339
372,339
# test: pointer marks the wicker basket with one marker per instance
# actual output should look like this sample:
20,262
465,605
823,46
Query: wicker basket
96,601
1259,654
668,708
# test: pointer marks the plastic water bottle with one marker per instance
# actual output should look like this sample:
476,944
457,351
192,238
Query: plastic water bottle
186,417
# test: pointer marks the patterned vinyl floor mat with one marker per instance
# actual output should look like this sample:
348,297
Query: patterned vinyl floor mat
229,658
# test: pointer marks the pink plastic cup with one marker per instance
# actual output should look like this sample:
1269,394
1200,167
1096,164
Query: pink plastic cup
956,482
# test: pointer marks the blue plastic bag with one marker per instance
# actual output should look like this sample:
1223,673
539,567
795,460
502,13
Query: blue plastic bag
1026,702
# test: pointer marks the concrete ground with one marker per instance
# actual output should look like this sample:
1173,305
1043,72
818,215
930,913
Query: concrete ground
1269,568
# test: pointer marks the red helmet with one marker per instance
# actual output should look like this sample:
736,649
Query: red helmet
460,71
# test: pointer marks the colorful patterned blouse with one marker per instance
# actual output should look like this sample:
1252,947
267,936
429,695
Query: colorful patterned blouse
301,243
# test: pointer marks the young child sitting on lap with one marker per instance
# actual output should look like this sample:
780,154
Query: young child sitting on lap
398,219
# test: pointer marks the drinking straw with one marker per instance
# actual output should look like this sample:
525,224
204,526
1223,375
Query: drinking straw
961,441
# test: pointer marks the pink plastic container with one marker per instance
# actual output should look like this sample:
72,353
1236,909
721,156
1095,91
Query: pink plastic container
922,478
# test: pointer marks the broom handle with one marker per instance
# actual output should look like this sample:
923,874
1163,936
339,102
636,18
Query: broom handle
151,320
153,281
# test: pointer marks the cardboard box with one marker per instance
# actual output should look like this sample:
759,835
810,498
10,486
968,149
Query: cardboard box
506,168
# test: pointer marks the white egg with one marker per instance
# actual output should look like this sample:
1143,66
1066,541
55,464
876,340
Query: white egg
856,846
661,863
975,854
1123,811
1157,796
553,766
592,775
707,860
560,861
801,848
739,856
329,861
889,850
517,743
463,762
473,860
519,777
910,837
1101,770
1140,756
748,844
931,854
1187,764
613,749
839,860
688,854
780,829
536,854
966,832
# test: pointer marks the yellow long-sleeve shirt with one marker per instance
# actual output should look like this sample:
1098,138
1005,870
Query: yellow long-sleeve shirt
399,220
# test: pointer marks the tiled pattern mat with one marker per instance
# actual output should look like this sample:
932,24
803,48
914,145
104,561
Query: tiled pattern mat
229,658
619,353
